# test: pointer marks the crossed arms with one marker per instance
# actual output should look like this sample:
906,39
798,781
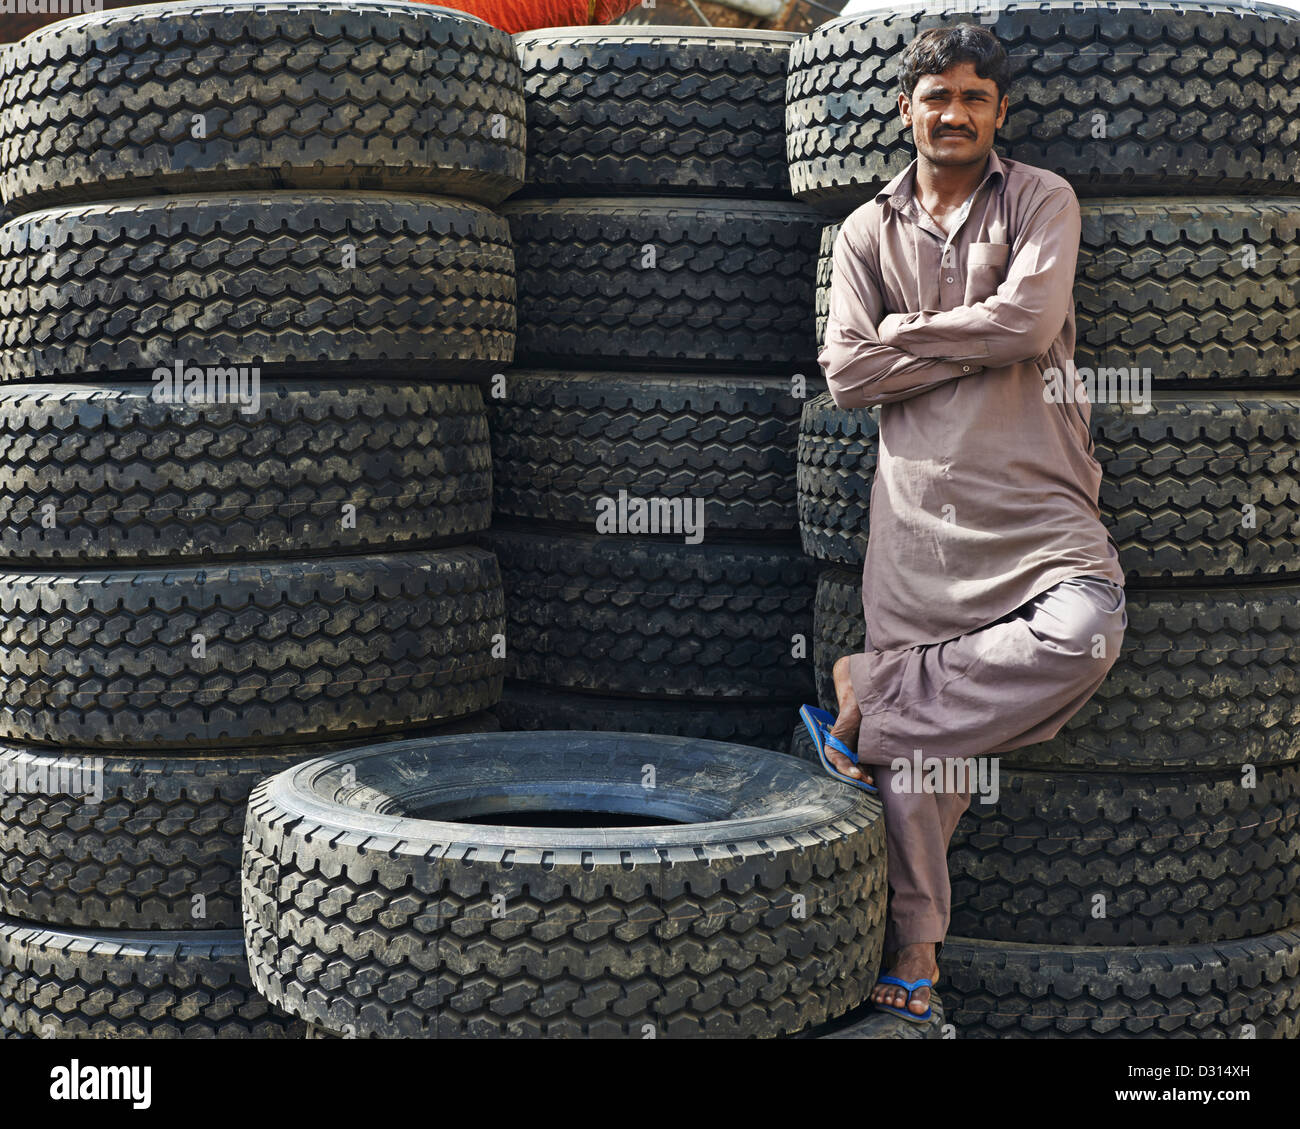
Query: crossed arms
871,357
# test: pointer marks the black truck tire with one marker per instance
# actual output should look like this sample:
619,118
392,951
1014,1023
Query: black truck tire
1208,678
685,111
110,474
836,466
645,281
344,284
118,841
1194,97
1202,292
209,97
79,984
868,1022
562,440
290,651
629,615
527,707
1218,990
374,907
1197,489
1159,859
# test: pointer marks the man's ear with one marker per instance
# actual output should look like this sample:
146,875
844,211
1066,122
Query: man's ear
905,108
1002,111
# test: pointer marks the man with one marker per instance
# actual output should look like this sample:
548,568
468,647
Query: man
992,593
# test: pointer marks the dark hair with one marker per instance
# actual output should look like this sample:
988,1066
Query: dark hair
934,51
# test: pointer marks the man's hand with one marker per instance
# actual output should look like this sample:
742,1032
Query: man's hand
847,722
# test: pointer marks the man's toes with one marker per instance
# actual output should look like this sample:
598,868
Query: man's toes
919,1003
844,765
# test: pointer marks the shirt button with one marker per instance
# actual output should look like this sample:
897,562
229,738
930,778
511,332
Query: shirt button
965,368
950,278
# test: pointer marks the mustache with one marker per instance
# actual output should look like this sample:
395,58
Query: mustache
952,132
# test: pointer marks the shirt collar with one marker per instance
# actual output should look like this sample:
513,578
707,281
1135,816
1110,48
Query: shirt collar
899,191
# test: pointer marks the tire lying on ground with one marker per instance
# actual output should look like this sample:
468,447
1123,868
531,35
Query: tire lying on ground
235,654
1188,292
869,1022
1217,990
1175,85
663,282
330,284
561,441
691,110
1208,678
117,841
63,984
629,615
109,473
1159,859
1195,487
369,895
196,97
527,707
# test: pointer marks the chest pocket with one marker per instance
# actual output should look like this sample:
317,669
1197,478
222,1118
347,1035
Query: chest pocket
986,269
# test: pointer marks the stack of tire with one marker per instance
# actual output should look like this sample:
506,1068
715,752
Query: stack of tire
664,353
1139,875
196,591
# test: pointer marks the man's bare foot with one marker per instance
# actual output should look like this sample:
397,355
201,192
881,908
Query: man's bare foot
847,722
914,962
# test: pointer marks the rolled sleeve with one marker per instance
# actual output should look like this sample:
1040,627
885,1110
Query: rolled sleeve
861,370
1024,317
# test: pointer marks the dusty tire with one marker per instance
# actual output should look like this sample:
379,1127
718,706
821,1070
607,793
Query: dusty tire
313,650
116,841
383,925
1189,94
526,707
1179,858
836,467
563,440
258,279
839,628
1180,484
1202,292
125,478
1207,679
731,282
997,990
1163,285
628,615
869,1022
611,109
367,96
65,984
825,272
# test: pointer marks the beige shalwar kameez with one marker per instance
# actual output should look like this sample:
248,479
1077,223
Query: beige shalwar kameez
992,593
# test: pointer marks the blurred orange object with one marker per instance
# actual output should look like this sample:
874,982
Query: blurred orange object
508,15
525,15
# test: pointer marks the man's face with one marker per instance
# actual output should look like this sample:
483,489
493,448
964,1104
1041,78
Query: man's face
954,116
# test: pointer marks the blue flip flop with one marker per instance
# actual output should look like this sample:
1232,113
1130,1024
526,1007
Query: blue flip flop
818,723
911,986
